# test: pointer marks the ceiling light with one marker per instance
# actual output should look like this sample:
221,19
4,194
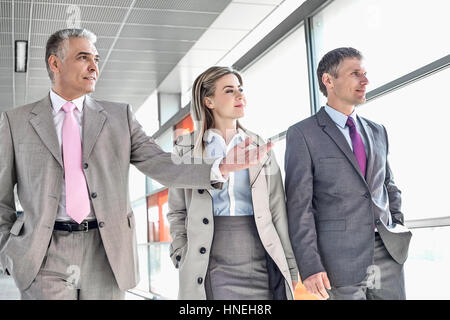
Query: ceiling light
21,49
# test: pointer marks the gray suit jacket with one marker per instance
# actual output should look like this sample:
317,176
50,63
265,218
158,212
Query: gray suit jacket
332,209
31,158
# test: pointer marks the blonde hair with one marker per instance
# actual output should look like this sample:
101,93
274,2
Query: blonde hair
205,86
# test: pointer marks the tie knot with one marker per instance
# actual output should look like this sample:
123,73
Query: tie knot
68,107
350,122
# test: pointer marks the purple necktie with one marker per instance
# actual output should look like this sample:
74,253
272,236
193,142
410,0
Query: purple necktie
358,146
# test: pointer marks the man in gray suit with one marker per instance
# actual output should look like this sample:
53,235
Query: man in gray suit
69,156
345,222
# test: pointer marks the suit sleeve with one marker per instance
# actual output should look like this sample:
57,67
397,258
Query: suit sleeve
166,168
7,182
277,203
299,195
394,194
177,222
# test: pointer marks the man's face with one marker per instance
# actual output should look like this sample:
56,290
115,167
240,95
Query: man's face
77,73
349,87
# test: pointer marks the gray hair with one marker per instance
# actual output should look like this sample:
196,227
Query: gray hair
331,61
54,43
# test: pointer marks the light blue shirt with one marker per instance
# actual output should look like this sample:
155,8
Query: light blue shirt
340,120
235,197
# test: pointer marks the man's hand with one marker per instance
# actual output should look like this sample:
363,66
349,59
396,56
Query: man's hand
240,157
316,285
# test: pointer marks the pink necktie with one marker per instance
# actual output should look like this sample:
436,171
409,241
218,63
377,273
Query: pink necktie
77,197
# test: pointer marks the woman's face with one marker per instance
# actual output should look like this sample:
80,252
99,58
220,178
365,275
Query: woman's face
228,101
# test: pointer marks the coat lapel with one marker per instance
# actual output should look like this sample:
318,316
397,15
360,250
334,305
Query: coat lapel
329,127
368,134
42,122
255,170
93,121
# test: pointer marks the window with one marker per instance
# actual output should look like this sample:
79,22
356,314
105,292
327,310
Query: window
428,251
395,37
276,87
416,119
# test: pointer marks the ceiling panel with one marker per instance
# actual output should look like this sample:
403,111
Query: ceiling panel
5,9
139,65
215,6
139,42
157,45
163,57
100,3
45,27
160,32
172,18
84,13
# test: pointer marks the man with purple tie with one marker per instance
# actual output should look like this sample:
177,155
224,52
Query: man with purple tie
344,210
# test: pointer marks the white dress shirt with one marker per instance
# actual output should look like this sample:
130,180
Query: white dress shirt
58,119
340,120
235,197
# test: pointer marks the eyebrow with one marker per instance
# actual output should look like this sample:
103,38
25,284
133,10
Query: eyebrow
229,86
87,53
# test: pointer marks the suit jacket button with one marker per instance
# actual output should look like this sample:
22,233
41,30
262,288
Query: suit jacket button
93,195
202,250
178,257
101,224
366,195
201,191
85,165
378,221
205,221
200,280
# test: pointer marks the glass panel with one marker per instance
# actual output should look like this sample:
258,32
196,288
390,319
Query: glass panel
276,87
159,274
278,150
396,37
428,264
416,118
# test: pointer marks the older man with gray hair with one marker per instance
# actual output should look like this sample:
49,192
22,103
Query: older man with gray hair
69,156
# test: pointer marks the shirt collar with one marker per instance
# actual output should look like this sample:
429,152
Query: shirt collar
338,117
212,134
58,101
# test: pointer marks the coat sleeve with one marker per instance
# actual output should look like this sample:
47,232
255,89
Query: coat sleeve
177,223
394,194
7,182
165,167
277,203
299,194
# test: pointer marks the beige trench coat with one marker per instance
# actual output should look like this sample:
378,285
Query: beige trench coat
192,225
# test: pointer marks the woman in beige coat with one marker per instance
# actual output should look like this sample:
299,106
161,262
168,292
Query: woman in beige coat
229,243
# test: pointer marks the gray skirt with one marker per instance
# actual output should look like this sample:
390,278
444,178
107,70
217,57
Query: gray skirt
237,267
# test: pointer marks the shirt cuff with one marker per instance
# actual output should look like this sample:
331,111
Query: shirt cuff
216,175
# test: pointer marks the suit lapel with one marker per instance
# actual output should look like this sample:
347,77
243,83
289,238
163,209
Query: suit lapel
329,127
93,121
368,134
255,170
43,124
